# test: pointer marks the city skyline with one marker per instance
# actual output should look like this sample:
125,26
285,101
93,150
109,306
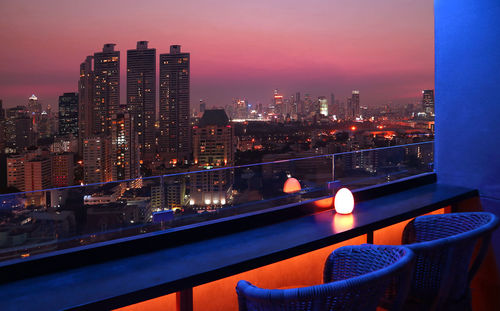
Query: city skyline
388,55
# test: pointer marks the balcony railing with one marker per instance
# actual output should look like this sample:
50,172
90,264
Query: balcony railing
38,222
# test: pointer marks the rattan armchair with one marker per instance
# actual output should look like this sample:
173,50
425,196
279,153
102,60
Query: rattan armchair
357,277
444,246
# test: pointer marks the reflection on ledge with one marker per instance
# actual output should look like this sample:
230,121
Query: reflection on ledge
342,222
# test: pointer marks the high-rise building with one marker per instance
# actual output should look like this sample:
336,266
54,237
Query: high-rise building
428,102
278,104
18,130
85,102
34,113
141,95
213,146
323,106
240,109
332,108
37,174
62,169
203,106
68,114
124,147
355,104
299,103
15,171
96,160
175,138
106,95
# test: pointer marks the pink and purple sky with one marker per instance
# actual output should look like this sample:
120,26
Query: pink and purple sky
239,49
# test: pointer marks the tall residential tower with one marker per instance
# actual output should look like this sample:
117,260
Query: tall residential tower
106,88
175,138
85,102
141,95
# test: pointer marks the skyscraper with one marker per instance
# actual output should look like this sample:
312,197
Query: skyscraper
175,138
323,106
68,114
124,147
203,106
355,104
428,102
34,113
106,88
85,102
278,104
141,95
332,109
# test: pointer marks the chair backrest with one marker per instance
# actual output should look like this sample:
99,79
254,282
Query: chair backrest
444,245
359,277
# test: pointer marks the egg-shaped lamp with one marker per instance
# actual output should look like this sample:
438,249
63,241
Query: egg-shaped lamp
344,201
291,185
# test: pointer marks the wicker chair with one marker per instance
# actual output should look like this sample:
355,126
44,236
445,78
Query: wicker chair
359,276
444,245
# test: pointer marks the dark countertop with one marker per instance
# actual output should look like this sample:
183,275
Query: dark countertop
129,280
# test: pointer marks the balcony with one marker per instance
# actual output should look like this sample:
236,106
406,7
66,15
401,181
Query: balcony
466,156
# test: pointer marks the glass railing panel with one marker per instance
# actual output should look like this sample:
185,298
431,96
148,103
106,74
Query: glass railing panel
43,221
359,169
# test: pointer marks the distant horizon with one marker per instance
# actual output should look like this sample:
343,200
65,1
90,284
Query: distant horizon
386,51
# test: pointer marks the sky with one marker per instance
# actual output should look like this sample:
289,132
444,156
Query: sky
239,49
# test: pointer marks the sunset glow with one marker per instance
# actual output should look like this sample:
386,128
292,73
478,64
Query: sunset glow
239,49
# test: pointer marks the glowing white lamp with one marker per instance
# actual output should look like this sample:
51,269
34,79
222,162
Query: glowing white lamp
344,201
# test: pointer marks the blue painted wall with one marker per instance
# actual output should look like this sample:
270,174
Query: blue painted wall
467,45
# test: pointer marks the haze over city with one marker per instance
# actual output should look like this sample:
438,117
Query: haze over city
238,50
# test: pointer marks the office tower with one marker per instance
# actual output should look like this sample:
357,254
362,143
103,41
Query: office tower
19,133
308,105
333,109
96,160
106,95
141,95
34,112
240,109
355,104
323,106
68,114
124,147
62,169
203,106
85,102
278,104
428,102
15,171
213,146
349,110
175,137
299,104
